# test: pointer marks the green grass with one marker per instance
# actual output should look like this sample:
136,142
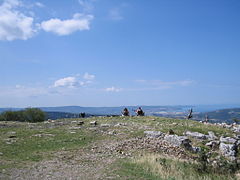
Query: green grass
32,148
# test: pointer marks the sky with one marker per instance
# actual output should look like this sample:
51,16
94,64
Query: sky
119,52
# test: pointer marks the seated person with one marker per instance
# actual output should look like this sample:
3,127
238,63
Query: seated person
125,112
140,112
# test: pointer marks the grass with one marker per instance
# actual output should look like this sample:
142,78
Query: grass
157,167
40,141
129,170
35,145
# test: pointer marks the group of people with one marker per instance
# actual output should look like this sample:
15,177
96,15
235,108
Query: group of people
139,112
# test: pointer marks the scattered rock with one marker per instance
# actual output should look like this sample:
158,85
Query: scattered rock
105,125
153,134
42,135
228,150
211,135
112,132
196,149
93,123
236,129
80,123
12,136
11,132
120,124
213,144
228,140
1,153
74,128
196,135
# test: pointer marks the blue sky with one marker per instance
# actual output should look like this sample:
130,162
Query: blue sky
119,52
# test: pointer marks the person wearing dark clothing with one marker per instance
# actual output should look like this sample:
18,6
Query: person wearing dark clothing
125,112
82,115
140,112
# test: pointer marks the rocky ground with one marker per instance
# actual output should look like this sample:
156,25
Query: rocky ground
114,138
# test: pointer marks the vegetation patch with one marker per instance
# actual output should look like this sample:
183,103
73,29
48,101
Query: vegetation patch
155,166
35,145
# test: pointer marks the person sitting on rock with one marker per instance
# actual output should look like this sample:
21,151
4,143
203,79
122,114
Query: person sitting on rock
125,112
82,115
139,112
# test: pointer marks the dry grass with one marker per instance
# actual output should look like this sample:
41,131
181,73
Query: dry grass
172,168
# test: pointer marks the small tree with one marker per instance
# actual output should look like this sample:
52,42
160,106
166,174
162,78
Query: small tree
27,115
34,115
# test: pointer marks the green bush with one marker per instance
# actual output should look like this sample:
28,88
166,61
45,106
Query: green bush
27,115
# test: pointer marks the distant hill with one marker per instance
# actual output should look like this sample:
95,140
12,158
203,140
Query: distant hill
178,112
149,110
223,115
60,115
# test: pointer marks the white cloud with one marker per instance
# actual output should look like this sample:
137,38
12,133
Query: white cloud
87,5
74,81
13,23
88,76
66,82
165,83
79,22
115,14
38,4
113,89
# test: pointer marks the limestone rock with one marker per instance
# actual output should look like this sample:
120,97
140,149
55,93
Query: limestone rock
211,135
153,134
228,140
236,129
213,144
228,150
105,125
80,123
93,123
196,135
177,140
196,149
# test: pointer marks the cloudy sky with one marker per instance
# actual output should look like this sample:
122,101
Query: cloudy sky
119,52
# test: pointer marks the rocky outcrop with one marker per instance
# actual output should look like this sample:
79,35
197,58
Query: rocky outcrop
177,140
228,150
181,141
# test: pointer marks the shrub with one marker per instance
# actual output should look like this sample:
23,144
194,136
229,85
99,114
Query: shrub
34,115
27,115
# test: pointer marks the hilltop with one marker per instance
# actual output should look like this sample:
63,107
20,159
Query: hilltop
118,148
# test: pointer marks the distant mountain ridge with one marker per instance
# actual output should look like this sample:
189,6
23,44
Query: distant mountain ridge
179,112
222,115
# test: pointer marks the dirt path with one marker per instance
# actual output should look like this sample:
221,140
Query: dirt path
83,164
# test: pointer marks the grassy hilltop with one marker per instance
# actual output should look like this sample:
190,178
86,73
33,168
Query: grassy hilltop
114,148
